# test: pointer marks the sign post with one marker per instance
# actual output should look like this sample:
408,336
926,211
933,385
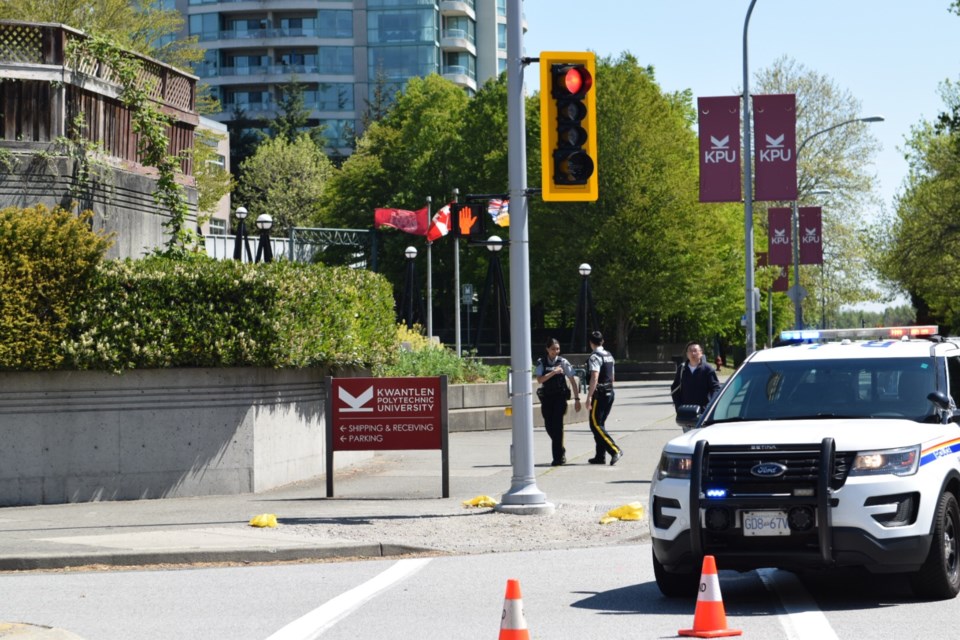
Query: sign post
387,414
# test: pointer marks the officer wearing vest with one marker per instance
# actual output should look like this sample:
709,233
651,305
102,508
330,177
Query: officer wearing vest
600,400
552,374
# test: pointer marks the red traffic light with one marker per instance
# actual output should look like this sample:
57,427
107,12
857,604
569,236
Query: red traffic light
571,80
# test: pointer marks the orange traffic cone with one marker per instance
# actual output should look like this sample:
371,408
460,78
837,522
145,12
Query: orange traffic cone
709,620
513,626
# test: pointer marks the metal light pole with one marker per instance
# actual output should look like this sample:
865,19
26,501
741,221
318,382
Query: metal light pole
582,318
523,497
429,277
797,291
750,321
240,240
456,280
264,248
407,303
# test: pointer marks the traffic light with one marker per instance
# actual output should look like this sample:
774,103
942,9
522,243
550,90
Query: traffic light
568,126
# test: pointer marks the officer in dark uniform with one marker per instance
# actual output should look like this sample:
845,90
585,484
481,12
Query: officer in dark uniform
552,373
600,400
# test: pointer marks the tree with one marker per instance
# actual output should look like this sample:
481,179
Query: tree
139,25
836,161
920,252
285,179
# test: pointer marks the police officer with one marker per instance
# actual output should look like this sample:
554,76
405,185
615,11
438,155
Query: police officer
552,374
600,400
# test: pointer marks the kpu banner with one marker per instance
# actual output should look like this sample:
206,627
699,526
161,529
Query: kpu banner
775,147
779,235
719,120
811,235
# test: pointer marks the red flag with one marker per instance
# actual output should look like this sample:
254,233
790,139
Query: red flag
811,235
414,222
780,235
775,147
720,149
440,225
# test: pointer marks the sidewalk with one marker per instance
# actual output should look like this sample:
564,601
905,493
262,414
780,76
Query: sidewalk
385,506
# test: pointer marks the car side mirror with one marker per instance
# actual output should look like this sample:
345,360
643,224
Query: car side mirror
688,415
940,399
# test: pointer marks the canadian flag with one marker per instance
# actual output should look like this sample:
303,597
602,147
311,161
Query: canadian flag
440,225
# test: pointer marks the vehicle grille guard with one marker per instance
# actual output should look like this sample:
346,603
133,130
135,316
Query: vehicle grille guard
824,493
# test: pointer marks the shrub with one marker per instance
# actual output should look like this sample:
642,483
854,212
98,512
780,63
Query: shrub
46,261
199,312
425,358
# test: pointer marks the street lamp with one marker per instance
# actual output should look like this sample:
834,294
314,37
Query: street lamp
584,308
798,296
264,250
407,302
750,319
241,240
495,284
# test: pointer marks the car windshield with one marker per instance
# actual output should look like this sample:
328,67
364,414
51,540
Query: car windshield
842,388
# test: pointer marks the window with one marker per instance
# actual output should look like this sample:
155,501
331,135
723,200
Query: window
339,133
336,60
218,227
415,25
337,96
206,26
502,37
402,62
335,23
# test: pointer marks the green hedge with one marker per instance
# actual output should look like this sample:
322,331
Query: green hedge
46,261
158,312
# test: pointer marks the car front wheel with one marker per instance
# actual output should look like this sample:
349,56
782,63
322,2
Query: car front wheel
939,577
675,585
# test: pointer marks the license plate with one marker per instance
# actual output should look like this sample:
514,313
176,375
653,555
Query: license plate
765,523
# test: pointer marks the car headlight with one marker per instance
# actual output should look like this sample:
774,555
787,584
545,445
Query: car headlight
899,462
674,465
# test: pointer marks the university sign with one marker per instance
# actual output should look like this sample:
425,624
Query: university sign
374,414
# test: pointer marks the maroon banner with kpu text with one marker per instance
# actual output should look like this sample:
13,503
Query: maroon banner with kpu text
719,120
775,147
779,235
811,235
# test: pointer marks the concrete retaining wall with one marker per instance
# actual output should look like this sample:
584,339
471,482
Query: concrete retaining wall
85,436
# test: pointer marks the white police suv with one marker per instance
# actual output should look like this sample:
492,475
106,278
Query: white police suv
841,449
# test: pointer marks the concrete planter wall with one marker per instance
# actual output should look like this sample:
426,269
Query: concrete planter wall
87,436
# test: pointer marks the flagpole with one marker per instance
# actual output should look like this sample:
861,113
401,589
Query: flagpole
456,277
429,276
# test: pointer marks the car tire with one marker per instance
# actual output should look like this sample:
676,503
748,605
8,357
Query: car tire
939,577
675,585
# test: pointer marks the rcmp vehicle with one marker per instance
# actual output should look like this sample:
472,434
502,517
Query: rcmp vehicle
839,449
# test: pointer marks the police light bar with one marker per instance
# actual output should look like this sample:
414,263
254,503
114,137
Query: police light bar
863,333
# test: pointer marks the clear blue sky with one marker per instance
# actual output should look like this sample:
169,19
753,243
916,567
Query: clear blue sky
889,54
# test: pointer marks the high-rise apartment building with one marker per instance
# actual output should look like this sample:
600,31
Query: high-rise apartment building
340,51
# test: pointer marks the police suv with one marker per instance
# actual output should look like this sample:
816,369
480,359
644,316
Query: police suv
840,449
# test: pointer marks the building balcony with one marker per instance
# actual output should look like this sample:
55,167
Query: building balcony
458,8
457,40
461,76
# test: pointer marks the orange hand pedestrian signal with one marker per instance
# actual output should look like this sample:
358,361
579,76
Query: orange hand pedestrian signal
468,220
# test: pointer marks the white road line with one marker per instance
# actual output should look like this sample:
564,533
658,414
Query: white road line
803,619
313,624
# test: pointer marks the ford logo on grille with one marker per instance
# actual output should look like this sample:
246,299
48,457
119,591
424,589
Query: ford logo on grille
768,470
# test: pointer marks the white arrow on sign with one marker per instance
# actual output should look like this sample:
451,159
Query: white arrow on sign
356,402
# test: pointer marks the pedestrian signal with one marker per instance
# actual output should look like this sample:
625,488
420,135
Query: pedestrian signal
467,220
568,126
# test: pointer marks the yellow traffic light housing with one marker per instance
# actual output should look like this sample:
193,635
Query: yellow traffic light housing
568,126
